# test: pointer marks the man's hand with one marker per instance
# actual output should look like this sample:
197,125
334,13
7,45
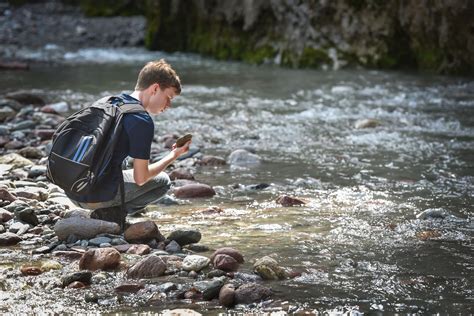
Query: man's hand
179,151
143,171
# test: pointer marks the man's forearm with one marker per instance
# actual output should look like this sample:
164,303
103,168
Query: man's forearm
155,168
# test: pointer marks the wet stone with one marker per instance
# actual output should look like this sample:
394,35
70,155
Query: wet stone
36,171
269,269
99,240
76,285
100,259
6,195
5,215
28,216
209,289
167,287
139,250
81,276
194,190
30,270
41,250
197,248
181,173
243,158
19,228
286,201
213,161
142,232
195,263
251,293
225,262
27,124
227,295
185,237
129,287
149,267
91,298
230,252
32,153
173,247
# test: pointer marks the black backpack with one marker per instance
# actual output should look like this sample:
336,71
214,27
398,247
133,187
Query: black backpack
84,143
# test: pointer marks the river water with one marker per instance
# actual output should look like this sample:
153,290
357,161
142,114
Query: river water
358,242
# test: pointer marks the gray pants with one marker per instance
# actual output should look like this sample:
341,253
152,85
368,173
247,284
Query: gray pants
136,197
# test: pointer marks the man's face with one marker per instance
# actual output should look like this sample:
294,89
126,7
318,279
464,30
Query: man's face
160,99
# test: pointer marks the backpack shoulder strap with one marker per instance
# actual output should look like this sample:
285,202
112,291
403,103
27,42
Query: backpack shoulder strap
131,108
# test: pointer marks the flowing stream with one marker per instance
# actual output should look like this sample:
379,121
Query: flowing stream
357,242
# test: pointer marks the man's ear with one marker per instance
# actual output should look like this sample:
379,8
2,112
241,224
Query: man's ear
156,87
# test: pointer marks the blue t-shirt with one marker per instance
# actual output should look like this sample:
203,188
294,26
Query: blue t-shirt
134,141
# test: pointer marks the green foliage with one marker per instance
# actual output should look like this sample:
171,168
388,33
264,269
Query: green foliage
312,57
428,58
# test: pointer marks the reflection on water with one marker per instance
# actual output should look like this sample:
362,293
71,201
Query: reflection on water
357,242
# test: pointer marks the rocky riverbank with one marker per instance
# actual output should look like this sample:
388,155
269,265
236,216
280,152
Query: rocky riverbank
51,246
319,34
54,26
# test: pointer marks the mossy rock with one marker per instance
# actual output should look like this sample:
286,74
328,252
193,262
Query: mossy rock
313,57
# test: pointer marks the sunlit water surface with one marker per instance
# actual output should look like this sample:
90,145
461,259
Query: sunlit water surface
357,241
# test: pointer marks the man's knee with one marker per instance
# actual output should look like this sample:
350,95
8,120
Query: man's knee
162,181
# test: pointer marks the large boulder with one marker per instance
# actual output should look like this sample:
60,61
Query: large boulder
251,293
185,237
147,268
143,232
194,190
84,228
100,259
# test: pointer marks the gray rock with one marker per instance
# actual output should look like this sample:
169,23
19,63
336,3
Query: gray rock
6,112
77,212
173,247
118,241
167,287
28,215
185,237
243,158
209,289
167,200
71,239
251,293
195,263
84,227
269,269
366,123
27,124
36,171
433,213
19,228
99,240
